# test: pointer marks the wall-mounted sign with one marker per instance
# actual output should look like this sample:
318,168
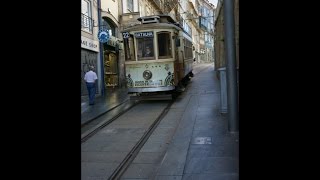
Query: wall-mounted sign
143,34
125,35
103,35
89,44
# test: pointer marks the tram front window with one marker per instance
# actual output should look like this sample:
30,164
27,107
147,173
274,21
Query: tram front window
145,48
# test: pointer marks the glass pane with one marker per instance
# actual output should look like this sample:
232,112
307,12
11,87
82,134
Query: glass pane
85,8
164,45
129,48
130,5
187,49
145,48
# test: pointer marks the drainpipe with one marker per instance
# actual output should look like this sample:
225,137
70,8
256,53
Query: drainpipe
232,88
101,50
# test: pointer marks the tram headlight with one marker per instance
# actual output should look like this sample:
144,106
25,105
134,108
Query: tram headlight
147,74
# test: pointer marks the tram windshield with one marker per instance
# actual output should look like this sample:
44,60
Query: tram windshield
145,48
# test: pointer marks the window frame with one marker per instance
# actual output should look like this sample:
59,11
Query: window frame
169,45
130,4
87,15
188,50
129,48
143,46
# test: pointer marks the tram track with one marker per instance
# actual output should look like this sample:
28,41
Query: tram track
135,150
118,170
91,120
92,131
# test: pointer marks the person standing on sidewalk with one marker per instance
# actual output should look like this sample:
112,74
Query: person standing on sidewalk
90,77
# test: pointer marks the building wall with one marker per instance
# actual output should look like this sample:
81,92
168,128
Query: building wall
94,16
191,18
206,24
111,7
112,55
88,58
219,40
90,49
236,13
219,37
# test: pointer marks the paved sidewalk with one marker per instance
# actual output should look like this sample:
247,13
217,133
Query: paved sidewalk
112,98
202,147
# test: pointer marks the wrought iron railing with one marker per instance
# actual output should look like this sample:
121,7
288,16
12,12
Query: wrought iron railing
170,4
159,3
86,23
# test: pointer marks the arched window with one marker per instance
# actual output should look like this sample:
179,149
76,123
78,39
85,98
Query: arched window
107,24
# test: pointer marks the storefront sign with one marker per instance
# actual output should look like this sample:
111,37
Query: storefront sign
89,44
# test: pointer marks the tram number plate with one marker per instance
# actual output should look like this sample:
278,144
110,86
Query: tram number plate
148,83
125,35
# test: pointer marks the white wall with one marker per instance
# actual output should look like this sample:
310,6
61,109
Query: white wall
112,6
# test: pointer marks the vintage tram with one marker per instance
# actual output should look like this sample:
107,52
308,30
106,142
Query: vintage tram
158,56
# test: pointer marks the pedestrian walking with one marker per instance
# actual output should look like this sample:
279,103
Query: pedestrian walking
90,78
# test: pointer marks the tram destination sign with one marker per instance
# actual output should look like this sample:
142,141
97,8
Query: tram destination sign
143,34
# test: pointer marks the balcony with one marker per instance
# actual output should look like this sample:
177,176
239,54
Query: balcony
158,3
86,23
169,5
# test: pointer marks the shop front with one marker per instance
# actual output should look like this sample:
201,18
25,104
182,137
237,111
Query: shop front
111,62
89,57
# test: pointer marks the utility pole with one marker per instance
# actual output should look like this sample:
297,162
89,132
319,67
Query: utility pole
101,50
232,88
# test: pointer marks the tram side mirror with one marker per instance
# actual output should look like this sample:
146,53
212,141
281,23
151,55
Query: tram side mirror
177,42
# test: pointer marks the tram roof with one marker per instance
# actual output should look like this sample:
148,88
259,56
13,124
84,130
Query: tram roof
155,21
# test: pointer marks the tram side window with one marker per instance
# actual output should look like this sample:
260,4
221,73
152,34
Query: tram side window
187,49
129,49
164,45
145,48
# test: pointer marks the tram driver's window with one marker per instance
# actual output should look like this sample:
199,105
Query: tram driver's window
145,48
164,45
